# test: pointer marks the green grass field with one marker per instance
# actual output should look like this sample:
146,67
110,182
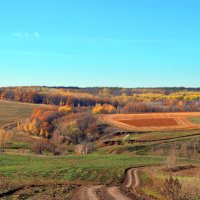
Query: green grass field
96,168
11,112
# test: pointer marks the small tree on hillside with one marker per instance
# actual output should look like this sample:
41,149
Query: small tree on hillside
171,159
81,149
3,137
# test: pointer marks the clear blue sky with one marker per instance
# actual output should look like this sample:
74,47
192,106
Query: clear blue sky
128,43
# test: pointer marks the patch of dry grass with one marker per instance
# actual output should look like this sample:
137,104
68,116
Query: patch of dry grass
12,112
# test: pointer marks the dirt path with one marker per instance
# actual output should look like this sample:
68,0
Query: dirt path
137,179
129,178
114,193
86,193
132,181
91,193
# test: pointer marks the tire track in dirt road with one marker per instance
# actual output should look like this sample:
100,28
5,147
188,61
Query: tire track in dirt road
129,178
132,181
92,192
86,193
114,193
137,182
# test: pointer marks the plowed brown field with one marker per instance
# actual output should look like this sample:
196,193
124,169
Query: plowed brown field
152,121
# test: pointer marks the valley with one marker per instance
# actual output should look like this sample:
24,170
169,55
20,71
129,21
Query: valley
65,152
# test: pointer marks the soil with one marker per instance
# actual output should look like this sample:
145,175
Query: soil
150,122
40,192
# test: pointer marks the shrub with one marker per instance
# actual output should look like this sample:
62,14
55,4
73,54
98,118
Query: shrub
172,188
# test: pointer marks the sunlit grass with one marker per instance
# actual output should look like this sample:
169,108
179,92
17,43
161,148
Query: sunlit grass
98,168
11,112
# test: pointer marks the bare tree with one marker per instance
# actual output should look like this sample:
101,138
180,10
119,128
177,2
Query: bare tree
84,148
171,159
81,149
172,188
2,140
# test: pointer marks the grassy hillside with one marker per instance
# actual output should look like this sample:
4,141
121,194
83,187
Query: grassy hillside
11,112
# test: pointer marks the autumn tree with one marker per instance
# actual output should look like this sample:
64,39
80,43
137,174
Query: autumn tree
67,109
103,109
41,122
77,128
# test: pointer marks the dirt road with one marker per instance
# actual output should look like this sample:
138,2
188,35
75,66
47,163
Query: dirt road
114,193
132,181
86,193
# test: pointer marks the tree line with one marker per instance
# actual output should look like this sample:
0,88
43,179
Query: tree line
120,100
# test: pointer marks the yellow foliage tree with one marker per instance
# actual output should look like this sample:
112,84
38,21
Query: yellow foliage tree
97,109
103,109
66,108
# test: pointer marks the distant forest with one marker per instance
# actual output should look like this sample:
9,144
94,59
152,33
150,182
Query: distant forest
124,100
